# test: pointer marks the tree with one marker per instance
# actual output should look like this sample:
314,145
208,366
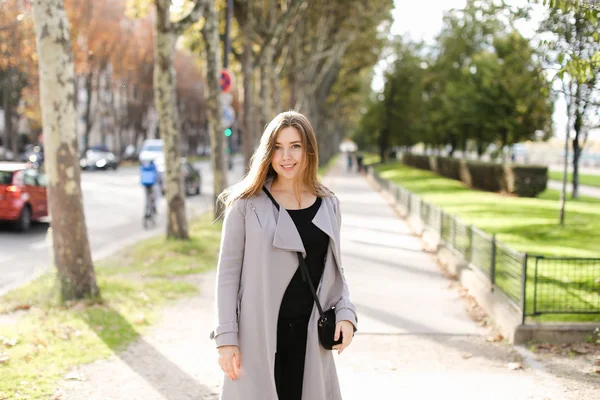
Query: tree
167,33
575,55
18,68
211,39
258,48
72,255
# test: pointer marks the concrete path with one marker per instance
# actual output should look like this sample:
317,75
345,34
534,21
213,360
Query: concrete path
415,339
583,190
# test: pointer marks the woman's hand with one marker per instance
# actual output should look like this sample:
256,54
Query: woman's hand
347,330
230,361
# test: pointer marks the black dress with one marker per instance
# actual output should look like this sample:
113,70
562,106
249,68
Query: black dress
296,307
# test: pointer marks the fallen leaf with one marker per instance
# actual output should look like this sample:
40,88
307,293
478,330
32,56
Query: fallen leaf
140,320
514,366
495,338
22,307
467,356
4,358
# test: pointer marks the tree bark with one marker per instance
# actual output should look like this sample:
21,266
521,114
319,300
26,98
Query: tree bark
165,100
247,71
266,90
213,62
88,111
72,255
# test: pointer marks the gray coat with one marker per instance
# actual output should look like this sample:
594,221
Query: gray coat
256,262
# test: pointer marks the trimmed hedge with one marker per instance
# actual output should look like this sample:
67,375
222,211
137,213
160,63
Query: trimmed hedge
520,180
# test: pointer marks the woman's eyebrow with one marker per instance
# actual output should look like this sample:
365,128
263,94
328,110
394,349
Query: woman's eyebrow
297,141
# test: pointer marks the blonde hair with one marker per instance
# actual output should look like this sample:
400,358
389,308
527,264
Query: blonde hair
260,163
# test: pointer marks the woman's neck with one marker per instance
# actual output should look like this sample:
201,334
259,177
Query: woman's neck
285,185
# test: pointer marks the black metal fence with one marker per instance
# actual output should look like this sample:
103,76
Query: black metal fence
534,284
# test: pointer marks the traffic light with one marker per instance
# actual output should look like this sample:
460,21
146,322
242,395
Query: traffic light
228,132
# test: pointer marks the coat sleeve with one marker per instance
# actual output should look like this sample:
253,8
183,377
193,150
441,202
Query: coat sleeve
229,269
344,309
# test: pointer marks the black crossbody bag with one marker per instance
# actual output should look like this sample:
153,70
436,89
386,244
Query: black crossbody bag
326,323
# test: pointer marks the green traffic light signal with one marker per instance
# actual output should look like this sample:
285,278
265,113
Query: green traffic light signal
228,132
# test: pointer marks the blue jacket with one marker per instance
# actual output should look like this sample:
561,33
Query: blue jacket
148,174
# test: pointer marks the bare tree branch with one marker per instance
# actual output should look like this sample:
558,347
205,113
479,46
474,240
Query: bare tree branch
194,15
276,36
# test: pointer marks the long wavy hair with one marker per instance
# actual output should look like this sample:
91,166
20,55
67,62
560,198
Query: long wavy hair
260,163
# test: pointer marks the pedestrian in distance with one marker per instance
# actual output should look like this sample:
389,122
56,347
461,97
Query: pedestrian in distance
280,241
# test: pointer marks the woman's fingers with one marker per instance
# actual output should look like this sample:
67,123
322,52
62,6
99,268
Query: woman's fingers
236,365
338,329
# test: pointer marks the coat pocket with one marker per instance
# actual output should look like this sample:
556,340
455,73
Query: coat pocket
256,214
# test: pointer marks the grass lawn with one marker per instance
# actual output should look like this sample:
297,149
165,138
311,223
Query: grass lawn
587,180
41,344
524,224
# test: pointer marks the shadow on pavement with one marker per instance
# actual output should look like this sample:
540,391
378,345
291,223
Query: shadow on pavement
161,373
395,265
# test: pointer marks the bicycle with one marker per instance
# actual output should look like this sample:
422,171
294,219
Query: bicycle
150,209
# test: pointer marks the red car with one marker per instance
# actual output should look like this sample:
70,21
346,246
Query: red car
22,194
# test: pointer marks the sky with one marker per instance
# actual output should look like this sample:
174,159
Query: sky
422,19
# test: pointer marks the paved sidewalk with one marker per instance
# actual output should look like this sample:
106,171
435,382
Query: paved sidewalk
415,339
583,189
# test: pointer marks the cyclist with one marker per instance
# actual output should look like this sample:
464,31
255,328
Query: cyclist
149,177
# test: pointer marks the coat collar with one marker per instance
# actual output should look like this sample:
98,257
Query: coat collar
287,236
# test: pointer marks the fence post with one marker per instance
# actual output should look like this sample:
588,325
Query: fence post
493,261
524,289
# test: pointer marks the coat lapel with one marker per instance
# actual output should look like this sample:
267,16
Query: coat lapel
286,234
325,220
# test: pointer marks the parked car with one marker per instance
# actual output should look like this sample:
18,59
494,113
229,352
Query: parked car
192,179
23,195
99,157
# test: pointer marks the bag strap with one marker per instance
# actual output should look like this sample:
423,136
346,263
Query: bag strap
302,264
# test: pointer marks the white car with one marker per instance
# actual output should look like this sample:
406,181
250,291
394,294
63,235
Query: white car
153,149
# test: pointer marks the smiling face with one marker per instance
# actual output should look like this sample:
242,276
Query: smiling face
288,154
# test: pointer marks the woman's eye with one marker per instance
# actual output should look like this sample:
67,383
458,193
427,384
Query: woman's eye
296,146
277,147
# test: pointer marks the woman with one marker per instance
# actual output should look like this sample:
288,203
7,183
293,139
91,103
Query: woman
266,330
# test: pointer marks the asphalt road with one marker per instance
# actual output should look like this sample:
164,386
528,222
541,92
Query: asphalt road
113,202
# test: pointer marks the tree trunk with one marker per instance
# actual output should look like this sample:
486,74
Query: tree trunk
213,61
248,120
88,111
266,90
576,152
11,136
72,255
165,101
